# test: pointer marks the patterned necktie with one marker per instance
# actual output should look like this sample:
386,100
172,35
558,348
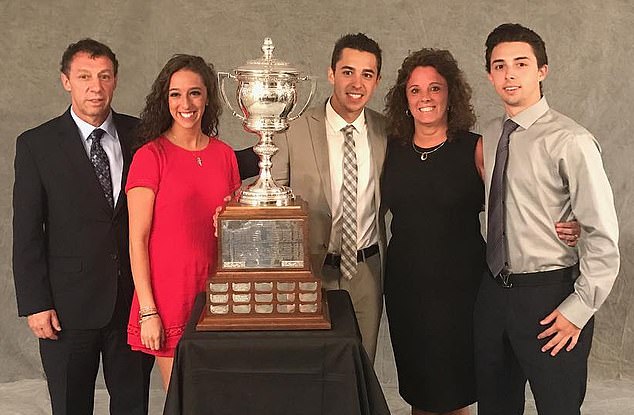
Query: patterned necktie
349,203
496,238
100,162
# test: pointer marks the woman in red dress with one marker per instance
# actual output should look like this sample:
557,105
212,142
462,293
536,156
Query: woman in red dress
178,177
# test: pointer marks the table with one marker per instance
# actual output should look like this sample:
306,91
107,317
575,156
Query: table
275,372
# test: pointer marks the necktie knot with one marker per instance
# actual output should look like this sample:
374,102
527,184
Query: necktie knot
509,127
96,134
348,131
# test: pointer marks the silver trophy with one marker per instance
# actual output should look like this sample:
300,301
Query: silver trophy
262,279
266,94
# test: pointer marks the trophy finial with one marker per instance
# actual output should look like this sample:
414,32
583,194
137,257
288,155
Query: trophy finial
267,48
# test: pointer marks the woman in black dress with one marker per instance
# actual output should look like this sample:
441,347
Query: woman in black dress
432,185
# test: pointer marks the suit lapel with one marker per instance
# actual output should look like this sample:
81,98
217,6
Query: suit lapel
377,141
84,177
317,127
124,139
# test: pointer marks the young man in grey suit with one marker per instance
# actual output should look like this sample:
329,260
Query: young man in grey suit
70,240
311,161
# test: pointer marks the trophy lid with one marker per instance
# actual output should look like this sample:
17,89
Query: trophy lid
267,63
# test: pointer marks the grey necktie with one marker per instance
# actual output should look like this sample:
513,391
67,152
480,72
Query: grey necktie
497,256
100,162
348,265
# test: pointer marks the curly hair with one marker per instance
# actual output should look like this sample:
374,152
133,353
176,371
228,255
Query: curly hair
460,117
156,117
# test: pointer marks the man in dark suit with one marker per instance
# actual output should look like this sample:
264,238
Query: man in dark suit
70,240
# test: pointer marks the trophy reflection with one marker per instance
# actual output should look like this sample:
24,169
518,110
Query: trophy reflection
263,278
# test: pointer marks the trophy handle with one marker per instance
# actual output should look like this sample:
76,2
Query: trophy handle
313,86
221,84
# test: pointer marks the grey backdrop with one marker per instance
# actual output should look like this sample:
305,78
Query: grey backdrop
591,69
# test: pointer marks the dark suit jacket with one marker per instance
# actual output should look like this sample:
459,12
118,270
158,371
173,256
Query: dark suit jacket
70,248
247,163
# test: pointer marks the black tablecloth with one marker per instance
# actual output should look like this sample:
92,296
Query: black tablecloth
275,372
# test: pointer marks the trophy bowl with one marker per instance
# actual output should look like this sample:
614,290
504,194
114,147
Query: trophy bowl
266,95
266,102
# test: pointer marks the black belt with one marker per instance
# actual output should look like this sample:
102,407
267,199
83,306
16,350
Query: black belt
528,279
334,260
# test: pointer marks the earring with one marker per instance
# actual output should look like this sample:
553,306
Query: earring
409,114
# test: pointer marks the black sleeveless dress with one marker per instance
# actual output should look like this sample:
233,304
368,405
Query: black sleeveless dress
435,260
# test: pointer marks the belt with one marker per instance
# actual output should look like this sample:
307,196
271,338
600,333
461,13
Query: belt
334,260
528,279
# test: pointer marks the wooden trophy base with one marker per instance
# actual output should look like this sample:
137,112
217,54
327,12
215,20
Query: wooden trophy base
262,279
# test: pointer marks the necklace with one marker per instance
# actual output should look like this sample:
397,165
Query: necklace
424,154
196,153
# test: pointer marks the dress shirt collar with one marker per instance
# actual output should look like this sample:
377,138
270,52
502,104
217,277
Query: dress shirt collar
527,117
85,129
336,122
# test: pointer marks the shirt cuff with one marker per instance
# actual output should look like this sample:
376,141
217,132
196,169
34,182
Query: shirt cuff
576,311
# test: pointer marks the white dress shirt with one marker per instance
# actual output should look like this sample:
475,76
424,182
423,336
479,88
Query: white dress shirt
367,233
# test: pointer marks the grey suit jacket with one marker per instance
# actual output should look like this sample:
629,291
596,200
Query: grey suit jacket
302,163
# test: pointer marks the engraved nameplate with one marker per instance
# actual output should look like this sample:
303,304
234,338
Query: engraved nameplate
241,287
286,308
234,265
292,264
262,243
285,298
308,308
219,309
242,308
264,308
263,286
307,297
308,286
264,298
241,298
219,298
286,286
219,287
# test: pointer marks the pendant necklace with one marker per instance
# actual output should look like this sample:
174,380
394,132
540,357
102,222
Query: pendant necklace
199,159
424,154
196,153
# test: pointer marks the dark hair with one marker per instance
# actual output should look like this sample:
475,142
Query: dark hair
156,117
91,47
358,42
514,32
460,116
